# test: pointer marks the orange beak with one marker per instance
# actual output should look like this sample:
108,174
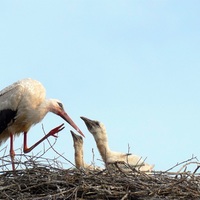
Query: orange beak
66,117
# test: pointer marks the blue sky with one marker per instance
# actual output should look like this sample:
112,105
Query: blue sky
133,65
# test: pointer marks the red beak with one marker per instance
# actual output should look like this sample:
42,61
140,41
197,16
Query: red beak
66,117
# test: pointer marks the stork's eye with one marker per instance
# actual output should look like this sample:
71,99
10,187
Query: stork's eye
61,105
97,123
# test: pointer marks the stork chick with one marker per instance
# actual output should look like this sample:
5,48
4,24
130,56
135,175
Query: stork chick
78,150
98,130
22,105
78,153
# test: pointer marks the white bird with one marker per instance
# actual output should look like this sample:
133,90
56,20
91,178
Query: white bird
22,105
98,130
78,153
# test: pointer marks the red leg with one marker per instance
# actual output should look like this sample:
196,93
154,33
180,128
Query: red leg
51,133
12,152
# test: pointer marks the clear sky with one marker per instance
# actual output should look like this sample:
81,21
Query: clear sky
133,65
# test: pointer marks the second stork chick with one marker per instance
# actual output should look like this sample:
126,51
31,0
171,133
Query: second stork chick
98,130
78,150
78,153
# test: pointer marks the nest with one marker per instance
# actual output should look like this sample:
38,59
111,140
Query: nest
42,178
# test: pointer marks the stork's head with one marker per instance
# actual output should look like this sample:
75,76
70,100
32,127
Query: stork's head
56,107
97,129
78,140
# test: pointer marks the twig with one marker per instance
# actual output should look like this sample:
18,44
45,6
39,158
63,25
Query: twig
180,164
189,163
60,155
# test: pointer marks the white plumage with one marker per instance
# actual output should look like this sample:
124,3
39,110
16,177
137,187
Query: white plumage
98,130
22,105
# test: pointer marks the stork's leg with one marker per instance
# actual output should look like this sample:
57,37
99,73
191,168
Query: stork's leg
51,133
12,152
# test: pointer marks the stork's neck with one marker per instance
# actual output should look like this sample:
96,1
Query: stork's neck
79,156
35,112
102,144
51,105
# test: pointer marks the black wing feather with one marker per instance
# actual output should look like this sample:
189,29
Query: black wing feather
6,116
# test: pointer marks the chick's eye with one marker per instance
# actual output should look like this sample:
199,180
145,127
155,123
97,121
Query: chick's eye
61,105
97,123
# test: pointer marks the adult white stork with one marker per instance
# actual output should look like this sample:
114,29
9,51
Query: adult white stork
98,130
22,105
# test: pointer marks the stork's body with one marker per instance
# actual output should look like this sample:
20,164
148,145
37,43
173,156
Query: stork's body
98,130
22,105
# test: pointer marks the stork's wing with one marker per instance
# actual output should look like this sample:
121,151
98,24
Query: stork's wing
7,117
9,100
11,96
